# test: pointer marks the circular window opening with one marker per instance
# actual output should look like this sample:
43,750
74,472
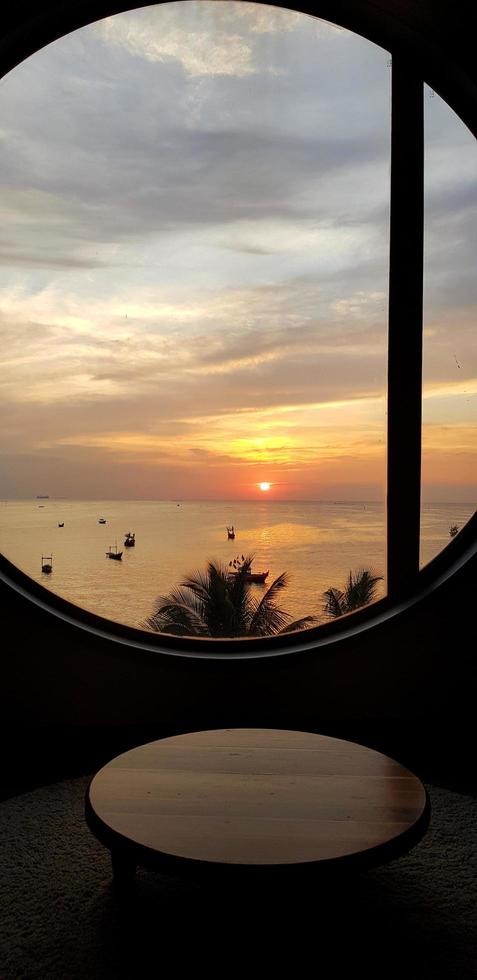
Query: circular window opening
195,319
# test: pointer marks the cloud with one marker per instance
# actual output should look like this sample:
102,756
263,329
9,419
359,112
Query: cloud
195,250
113,162
361,304
217,41
90,349
226,54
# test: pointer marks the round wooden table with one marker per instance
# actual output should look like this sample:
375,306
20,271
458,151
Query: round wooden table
254,799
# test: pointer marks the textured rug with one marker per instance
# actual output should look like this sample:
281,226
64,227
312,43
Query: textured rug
415,917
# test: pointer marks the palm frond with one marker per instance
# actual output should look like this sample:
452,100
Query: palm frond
360,589
198,584
223,609
240,595
267,617
300,624
179,618
333,602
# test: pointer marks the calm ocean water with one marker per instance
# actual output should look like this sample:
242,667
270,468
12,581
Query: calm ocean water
317,543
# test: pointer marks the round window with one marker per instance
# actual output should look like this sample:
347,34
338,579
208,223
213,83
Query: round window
194,307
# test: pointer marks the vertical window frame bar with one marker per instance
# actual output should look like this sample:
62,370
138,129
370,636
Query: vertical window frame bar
405,330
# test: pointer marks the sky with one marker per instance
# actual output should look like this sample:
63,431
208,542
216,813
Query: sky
194,264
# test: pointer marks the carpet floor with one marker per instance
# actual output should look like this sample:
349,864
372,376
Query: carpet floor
414,917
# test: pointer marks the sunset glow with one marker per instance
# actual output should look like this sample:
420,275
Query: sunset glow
195,264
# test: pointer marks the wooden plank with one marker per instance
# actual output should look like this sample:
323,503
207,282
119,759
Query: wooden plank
262,764
258,841
201,793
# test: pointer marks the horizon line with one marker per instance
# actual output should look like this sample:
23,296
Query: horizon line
227,500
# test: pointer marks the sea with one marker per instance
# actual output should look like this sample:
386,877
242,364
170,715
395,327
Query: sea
316,543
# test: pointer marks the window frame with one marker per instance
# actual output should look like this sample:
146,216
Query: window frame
414,61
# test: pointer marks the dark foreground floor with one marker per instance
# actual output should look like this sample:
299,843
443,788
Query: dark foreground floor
415,917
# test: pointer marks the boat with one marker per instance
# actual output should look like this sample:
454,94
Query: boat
47,564
230,532
61,523
114,553
259,577
236,567
256,576
102,520
130,539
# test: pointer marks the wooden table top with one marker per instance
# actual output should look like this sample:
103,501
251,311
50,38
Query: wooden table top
257,797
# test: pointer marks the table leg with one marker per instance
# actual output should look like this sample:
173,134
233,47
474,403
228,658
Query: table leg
124,872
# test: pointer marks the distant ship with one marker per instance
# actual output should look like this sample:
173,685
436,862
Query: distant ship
47,564
42,496
117,555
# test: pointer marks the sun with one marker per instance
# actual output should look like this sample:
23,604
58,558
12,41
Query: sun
264,486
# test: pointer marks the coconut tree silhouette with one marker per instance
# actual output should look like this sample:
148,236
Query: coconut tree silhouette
360,589
220,603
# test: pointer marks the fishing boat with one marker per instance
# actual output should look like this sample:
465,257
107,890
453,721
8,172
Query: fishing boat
61,523
102,520
259,577
236,567
256,576
47,564
114,553
130,539
230,532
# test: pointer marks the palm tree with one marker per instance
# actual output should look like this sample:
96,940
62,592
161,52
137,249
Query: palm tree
360,589
219,603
